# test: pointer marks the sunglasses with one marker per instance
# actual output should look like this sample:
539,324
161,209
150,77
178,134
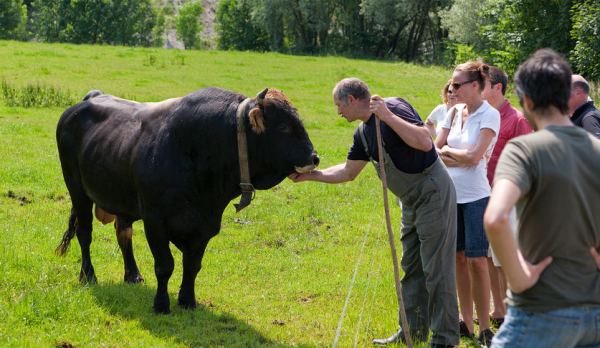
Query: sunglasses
457,85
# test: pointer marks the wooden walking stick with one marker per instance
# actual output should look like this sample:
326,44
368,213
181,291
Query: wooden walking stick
391,237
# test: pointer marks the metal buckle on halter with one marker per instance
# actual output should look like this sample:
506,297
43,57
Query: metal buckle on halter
247,187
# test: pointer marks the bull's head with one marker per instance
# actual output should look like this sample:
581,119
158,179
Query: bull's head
283,138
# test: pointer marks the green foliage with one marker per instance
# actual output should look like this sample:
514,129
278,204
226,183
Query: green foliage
36,95
521,27
595,91
116,22
464,21
11,13
159,30
236,30
456,53
22,32
586,34
406,29
187,25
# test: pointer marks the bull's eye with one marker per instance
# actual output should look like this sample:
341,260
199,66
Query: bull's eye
282,127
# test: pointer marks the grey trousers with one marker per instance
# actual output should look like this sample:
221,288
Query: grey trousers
428,247
429,257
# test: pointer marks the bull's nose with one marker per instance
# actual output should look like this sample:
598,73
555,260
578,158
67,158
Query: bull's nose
315,160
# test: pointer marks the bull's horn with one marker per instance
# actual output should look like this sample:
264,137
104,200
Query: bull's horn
260,97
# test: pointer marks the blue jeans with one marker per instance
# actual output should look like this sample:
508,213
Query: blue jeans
470,235
561,328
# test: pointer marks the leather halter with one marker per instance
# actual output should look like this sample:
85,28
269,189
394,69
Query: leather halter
248,190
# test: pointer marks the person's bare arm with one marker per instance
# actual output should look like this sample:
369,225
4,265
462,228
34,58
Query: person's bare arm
415,136
431,127
340,173
442,139
451,162
440,142
596,256
520,273
472,156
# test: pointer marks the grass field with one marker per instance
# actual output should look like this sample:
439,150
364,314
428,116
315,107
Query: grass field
278,273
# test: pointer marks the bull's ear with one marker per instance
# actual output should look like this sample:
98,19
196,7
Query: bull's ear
257,121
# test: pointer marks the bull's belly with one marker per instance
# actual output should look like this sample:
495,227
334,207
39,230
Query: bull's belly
113,197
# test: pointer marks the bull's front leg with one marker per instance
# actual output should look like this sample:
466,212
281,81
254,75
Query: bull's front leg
192,263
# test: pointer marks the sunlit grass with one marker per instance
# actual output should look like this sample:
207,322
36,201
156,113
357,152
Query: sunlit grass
278,273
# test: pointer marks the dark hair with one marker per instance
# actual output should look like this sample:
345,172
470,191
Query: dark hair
445,91
475,71
584,86
546,79
351,86
497,75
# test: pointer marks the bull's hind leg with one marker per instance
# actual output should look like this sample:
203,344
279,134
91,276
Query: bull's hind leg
157,236
84,236
80,225
124,237
192,263
81,221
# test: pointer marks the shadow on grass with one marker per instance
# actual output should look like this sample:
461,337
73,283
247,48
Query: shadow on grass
205,326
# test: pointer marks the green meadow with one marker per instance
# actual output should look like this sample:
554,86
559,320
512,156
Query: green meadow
279,272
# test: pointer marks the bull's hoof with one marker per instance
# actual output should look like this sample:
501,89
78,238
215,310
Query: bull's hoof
89,278
162,310
187,304
162,306
134,279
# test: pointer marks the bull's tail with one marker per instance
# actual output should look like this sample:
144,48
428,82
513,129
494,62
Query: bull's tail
62,249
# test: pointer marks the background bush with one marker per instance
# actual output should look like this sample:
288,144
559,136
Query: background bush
187,24
115,22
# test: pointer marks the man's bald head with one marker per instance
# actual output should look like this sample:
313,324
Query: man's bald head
580,90
578,82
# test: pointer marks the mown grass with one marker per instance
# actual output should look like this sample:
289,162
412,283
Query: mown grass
278,273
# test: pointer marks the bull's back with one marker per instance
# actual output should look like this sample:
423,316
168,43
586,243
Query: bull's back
97,140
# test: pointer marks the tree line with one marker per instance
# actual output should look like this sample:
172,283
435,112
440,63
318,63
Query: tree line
113,22
504,32
445,32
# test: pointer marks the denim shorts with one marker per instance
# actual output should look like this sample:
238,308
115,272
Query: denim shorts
564,328
470,232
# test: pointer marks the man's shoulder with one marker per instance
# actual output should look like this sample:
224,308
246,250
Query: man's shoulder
402,108
545,138
512,112
393,101
591,111
534,140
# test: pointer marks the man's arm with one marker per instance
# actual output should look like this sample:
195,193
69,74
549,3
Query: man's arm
521,274
340,173
523,127
472,156
415,136
591,124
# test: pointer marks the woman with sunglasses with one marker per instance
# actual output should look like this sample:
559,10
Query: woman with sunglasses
435,120
465,144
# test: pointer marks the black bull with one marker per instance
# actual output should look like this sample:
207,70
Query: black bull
174,165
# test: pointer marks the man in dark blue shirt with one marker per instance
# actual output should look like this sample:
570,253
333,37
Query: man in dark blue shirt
416,175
